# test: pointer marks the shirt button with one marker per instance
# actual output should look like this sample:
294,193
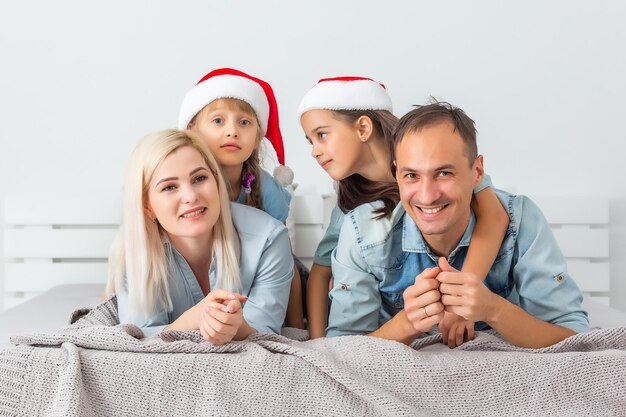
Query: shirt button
560,278
397,304
344,287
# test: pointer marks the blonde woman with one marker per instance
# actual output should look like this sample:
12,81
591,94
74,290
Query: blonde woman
188,259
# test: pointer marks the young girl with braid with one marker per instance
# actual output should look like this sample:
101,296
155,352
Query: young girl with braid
232,112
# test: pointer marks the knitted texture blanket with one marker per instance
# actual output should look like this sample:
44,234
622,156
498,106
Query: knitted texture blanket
97,367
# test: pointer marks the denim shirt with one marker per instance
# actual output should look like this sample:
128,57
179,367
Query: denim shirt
266,269
331,237
274,197
375,261
323,254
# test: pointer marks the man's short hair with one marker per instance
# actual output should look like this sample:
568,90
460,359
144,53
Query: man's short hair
434,113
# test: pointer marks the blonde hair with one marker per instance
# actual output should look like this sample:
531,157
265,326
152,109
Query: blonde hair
251,165
139,258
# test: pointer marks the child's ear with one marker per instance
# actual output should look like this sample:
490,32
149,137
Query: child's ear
365,128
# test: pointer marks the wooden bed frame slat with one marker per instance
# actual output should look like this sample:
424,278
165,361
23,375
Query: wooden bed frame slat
29,277
58,243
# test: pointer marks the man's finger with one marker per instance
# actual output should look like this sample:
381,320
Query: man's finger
421,287
451,289
458,310
418,302
445,266
427,273
451,300
452,278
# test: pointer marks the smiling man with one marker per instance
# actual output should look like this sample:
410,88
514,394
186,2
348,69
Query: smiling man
395,277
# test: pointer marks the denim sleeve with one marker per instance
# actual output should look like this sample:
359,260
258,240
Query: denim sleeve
330,239
275,197
355,298
148,325
268,297
546,290
485,183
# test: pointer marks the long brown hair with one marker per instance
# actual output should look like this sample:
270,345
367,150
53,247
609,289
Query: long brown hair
355,189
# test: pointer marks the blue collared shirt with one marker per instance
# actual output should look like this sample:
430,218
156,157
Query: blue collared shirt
375,261
274,197
266,269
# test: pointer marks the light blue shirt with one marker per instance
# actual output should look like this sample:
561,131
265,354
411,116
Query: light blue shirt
331,237
274,197
266,269
375,261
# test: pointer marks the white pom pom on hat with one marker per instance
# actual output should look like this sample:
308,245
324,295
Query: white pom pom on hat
232,83
346,93
283,175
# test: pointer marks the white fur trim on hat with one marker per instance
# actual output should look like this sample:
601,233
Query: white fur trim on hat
346,95
224,86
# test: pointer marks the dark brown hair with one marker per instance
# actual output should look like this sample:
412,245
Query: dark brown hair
434,113
355,189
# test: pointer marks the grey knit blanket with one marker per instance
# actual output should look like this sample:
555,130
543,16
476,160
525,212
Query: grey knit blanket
96,367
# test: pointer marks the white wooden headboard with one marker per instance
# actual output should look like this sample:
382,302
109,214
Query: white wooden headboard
66,240
581,226
55,240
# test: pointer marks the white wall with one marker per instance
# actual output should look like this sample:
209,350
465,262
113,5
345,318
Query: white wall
81,81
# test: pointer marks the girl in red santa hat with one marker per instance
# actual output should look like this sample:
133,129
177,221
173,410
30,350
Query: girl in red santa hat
349,123
232,112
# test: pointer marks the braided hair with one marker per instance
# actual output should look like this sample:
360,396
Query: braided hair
252,166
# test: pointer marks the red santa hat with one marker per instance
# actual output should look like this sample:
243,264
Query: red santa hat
346,93
231,83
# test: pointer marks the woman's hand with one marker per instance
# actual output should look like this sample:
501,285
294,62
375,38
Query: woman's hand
220,322
222,297
193,318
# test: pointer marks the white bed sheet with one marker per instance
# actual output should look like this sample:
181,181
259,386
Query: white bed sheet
601,316
49,311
